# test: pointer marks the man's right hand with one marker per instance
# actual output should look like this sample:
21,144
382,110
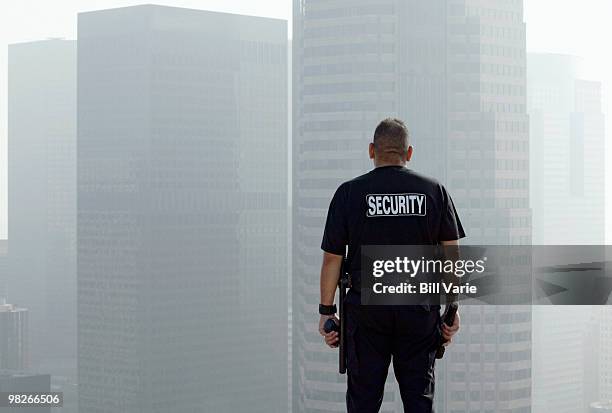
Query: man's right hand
449,331
331,338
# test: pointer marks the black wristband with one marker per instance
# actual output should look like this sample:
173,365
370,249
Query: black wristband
327,309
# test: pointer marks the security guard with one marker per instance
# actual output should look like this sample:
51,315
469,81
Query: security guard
376,335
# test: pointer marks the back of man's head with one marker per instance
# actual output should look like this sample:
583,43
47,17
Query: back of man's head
391,140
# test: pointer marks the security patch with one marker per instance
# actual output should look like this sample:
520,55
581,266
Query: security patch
396,205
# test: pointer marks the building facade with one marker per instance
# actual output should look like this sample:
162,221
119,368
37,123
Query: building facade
567,173
567,144
182,195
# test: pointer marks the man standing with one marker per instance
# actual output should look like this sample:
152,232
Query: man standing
422,214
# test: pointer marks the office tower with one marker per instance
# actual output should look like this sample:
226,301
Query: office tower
42,197
182,211
455,71
567,174
13,337
587,144
488,139
488,156
21,382
567,146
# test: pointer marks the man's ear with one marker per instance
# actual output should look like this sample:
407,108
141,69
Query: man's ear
409,153
371,150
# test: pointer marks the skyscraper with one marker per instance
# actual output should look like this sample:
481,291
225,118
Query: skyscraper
489,369
182,197
567,143
42,198
455,71
567,174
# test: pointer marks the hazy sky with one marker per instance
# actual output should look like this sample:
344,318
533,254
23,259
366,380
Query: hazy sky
581,28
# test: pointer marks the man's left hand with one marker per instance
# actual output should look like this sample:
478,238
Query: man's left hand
331,338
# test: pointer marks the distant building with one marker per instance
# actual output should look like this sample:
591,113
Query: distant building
567,173
182,211
42,197
18,382
567,153
13,337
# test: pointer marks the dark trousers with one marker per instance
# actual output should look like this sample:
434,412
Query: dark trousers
375,336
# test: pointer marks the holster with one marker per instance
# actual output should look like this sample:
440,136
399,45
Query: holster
344,282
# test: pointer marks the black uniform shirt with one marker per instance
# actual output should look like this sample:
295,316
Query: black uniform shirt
390,205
